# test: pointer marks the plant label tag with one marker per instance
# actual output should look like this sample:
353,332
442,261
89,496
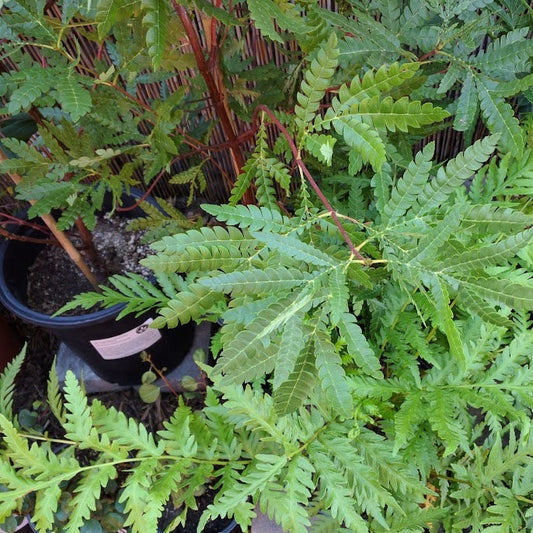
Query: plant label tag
129,343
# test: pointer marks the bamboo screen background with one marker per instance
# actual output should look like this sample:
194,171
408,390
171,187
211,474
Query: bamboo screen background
260,52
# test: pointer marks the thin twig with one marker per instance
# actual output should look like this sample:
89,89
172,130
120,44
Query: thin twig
309,177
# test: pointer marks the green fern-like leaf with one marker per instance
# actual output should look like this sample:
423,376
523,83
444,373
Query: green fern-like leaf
290,395
316,80
155,21
358,347
264,468
500,119
74,98
332,376
364,140
456,172
508,53
240,352
7,384
136,497
444,311
107,13
335,490
79,422
187,305
406,190
467,105
396,115
55,400
256,281
291,345
293,247
480,219
494,254
339,294
264,13
250,217
87,494
372,84
506,292
288,506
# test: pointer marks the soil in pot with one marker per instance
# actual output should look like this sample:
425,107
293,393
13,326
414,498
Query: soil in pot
53,280
96,336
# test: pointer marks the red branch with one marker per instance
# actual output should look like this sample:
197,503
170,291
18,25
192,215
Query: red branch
216,94
309,177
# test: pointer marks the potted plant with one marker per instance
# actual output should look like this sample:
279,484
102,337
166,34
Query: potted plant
373,365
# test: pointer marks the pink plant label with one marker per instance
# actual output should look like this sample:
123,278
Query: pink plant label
129,343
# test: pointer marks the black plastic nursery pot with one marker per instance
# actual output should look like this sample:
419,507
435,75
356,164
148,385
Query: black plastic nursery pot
111,348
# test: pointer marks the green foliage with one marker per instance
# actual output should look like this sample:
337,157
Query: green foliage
373,362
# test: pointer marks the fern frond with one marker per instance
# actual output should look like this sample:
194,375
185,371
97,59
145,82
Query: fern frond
55,400
437,236
445,315
240,351
500,119
136,294
124,431
518,296
295,248
332,375
87,494
396,115
288,504
467,105
456,172
478,306
407,188
258,475
46,505
107,13
338,301
155,21
406,420
79,422
444,423
494,254
190,304
252,217
291,345
480,219
373,84
202,237
265,12
316,80
335,491
256,281
363,139
290,395
7,384
136,498
358,347
507,54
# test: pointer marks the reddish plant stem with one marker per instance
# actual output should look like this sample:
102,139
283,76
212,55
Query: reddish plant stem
23,238
148,359
309,177
428,55
217,96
